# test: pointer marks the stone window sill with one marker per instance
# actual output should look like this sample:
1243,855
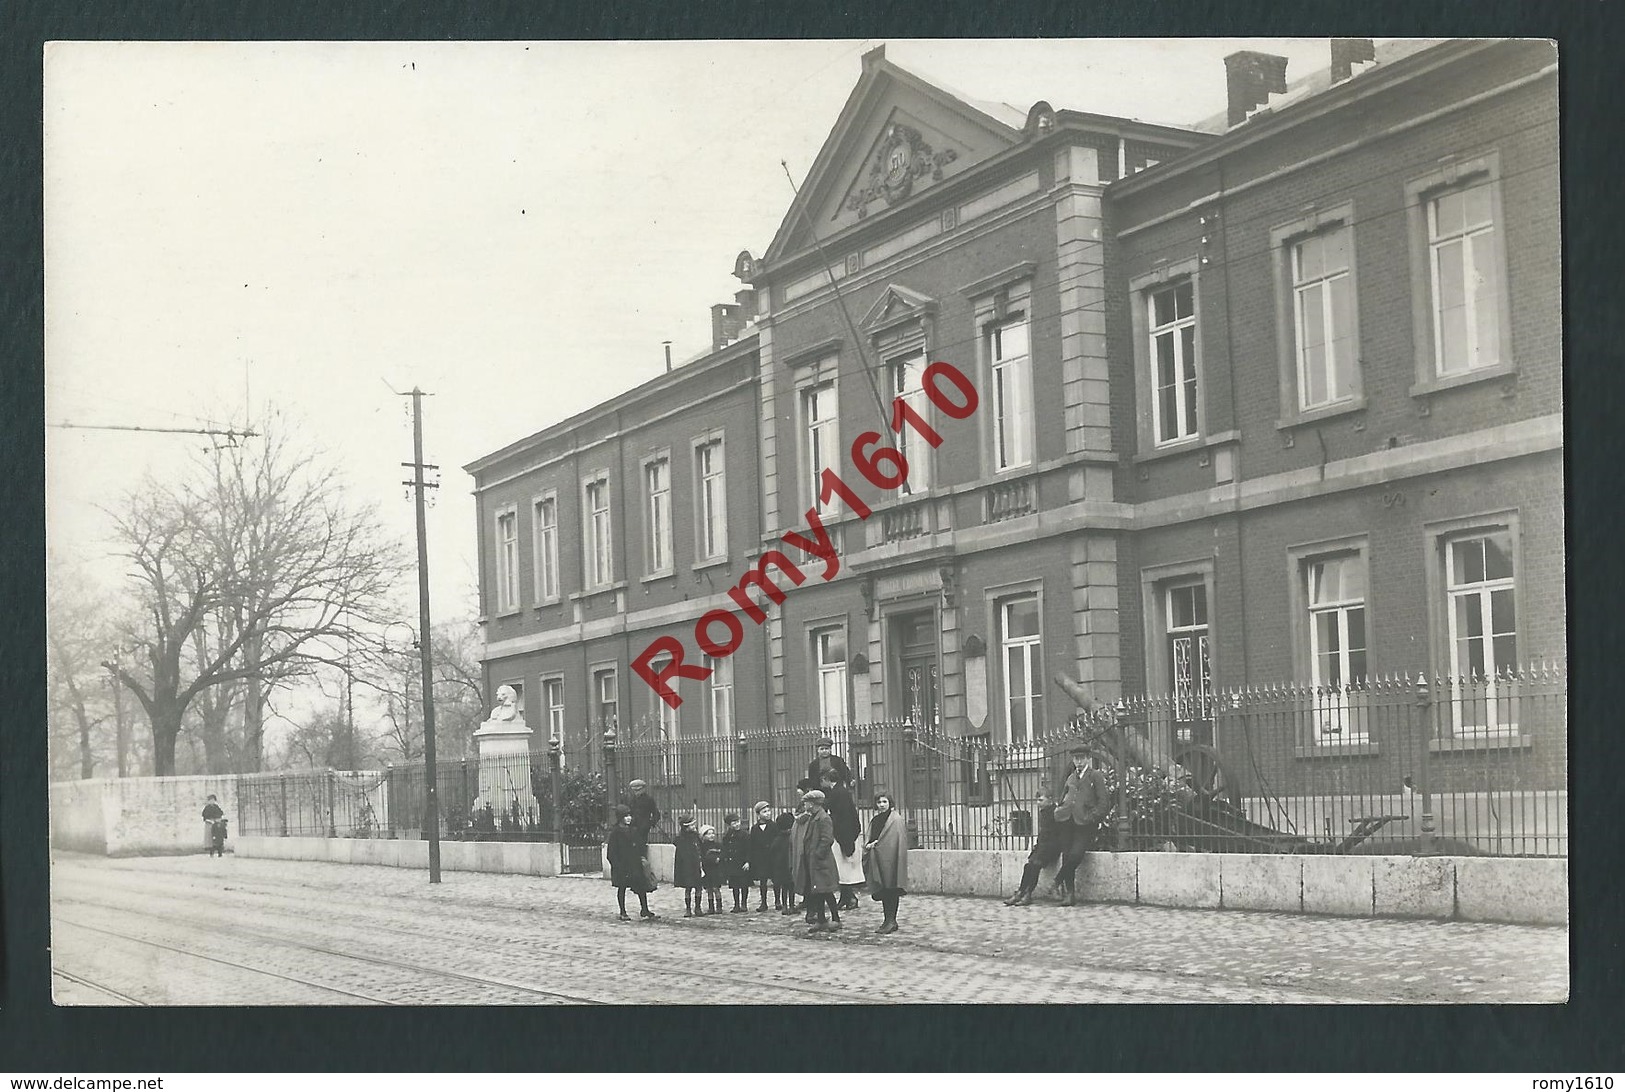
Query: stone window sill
1321,413
1186,447
510,612
1520,742
663,574
554,601
607,589
1435,384
1345,750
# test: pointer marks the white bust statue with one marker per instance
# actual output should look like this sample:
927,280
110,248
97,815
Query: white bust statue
507,706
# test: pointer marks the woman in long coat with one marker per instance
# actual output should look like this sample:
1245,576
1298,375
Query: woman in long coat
885,860
628,863
814,861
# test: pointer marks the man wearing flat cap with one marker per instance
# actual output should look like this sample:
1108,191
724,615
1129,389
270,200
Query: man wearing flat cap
830,763
1084,804
645,812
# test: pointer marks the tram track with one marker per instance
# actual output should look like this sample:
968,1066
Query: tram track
381,961
81,980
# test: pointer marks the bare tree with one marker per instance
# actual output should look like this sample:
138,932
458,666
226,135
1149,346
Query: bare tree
459,694
254,572
77,637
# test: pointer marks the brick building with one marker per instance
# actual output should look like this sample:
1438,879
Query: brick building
1274,398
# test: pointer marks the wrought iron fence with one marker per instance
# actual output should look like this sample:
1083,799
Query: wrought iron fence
1393,765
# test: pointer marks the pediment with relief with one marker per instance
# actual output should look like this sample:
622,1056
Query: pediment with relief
897,137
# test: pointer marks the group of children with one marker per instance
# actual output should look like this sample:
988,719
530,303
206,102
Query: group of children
740,858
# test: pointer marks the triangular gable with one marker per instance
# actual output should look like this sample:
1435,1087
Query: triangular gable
896,304
896,136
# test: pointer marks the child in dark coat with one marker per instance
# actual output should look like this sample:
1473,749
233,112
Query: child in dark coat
686,867
1046,851
736,863
711,870
784,888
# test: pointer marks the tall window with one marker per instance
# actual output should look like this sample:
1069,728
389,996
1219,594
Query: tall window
906,377
720,713
546,524
657,487
600,568
1323,317
607,698
1189,668
1008,351
1483,628
1466,283
829,660
713,500
1020,629
507,560
553,708
1173,362
823,439
1335,592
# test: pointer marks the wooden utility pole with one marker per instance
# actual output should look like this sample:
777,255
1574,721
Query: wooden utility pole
431,808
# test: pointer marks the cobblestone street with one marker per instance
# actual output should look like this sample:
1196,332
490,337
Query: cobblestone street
197,931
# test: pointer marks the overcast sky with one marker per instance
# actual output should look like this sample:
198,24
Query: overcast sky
516,228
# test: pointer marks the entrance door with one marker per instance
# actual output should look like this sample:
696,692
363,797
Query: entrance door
914,650
1188,668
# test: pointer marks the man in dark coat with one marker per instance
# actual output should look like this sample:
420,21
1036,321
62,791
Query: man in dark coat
759,850
1084,804
1046,850
216,819
645,812
828,762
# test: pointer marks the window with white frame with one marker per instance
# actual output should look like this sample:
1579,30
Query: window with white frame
546,526
1335,592
607,698
818,413
1323,318
553,708
507,560
906,376
657,537
829,663
1009,353
1021,634
599,560
713,500
720,713
1465,274
1481,616
1190,670
1171,316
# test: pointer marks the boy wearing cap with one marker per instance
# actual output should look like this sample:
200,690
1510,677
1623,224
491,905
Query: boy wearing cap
815,865
686,866
628,863
645,812
759,851
736,862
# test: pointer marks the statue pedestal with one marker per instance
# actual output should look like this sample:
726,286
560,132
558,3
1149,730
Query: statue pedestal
505,766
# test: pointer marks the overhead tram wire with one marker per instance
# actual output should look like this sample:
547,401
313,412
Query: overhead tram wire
852,327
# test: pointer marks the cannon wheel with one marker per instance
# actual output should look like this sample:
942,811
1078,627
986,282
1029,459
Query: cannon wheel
1207,772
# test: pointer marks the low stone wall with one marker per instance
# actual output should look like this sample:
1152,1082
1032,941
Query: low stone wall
137,816
1533,891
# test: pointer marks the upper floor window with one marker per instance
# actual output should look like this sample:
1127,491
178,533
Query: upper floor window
657,490
829,663
1323,318
1010,358
1465,273
1172,325
507,560
818,411
599,556
607,698
906,376
1021,633
712,499
546,525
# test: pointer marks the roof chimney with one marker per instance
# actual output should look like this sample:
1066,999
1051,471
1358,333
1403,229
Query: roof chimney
873,58
727,320
1348,52
667,344
1249,80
